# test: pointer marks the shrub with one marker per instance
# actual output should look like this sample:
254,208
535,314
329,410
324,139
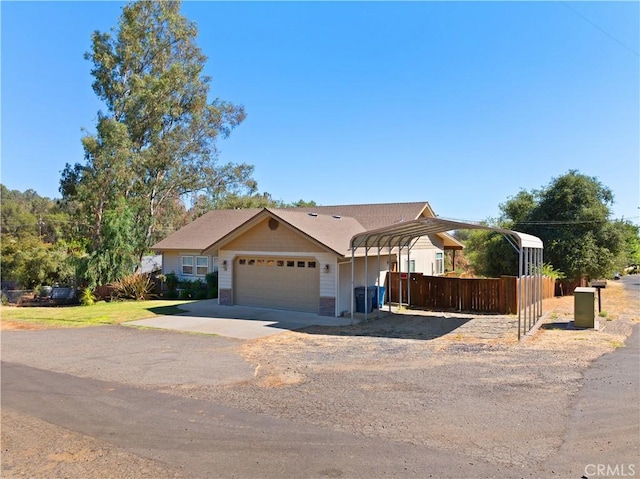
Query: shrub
172,282
134,286
87,298
192,289
212,284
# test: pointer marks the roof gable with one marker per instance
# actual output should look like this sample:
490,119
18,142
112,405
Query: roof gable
329,226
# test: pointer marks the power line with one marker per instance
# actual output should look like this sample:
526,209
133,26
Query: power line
601,29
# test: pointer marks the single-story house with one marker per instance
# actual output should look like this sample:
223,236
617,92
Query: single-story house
298,258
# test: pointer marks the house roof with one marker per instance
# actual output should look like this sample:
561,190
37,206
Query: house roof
331,231
331,226
373,216
206,230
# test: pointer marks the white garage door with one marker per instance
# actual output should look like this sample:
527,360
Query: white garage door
281,283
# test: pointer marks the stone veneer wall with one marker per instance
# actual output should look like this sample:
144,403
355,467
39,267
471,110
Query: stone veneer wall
226,297
327,306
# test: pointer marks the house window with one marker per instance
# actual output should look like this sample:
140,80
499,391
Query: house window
300,264
311,264
439,263
290,264
243,261
411,266
202,265
187,265
280,262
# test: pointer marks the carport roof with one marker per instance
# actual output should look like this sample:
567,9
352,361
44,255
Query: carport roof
402,234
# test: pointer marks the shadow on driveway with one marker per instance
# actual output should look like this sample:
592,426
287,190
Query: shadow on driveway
244,322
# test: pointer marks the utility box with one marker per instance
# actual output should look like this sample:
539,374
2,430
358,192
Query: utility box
584,307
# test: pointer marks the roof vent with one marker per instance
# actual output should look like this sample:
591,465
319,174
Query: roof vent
336,216
313,214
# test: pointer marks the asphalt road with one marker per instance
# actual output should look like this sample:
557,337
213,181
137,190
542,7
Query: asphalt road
204,439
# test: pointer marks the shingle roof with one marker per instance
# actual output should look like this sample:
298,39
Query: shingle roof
373,216
206,230
334,233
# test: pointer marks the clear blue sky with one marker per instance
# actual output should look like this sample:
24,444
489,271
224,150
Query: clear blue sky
461,104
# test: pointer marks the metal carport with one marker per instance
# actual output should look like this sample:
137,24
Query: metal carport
404,235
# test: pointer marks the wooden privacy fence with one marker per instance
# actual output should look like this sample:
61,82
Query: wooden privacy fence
486,295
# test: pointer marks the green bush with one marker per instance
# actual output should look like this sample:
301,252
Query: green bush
87,298
172,282
212,284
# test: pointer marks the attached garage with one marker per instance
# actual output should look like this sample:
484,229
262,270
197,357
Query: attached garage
283,283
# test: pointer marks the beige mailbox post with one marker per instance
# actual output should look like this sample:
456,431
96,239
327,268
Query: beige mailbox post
584,307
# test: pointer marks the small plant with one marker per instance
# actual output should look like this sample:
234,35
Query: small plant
603,314
87,298
4,299
550,272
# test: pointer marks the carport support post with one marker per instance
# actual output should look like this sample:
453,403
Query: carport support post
399,277
519,292
378,283
366,279
540,264
353,273
389,279
409,275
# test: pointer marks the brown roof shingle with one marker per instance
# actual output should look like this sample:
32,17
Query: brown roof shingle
332,226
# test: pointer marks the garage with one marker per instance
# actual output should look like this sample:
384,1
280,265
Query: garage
283,283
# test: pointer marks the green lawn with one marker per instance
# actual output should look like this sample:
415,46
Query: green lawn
115,312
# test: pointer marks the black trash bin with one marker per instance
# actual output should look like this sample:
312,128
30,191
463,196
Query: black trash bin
367,300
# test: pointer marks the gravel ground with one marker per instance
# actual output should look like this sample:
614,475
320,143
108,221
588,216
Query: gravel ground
486,395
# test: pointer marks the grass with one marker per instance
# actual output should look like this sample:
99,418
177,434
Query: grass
101,313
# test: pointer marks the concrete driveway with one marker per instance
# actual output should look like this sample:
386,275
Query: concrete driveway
242,322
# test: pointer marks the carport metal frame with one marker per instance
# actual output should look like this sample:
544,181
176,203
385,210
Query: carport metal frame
405,234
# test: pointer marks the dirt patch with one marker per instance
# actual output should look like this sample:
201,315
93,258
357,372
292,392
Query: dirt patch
34,448
21,325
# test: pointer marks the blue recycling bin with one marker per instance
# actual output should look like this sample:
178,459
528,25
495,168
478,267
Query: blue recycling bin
381,292
365,302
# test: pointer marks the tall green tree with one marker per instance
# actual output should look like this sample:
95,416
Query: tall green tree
156,141
116,255
572,216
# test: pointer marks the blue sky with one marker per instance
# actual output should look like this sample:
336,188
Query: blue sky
461,104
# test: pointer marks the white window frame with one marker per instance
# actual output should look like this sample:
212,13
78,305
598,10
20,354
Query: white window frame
439,263
206,266
183,264
411,266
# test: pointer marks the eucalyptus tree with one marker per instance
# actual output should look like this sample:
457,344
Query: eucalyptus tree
156,141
